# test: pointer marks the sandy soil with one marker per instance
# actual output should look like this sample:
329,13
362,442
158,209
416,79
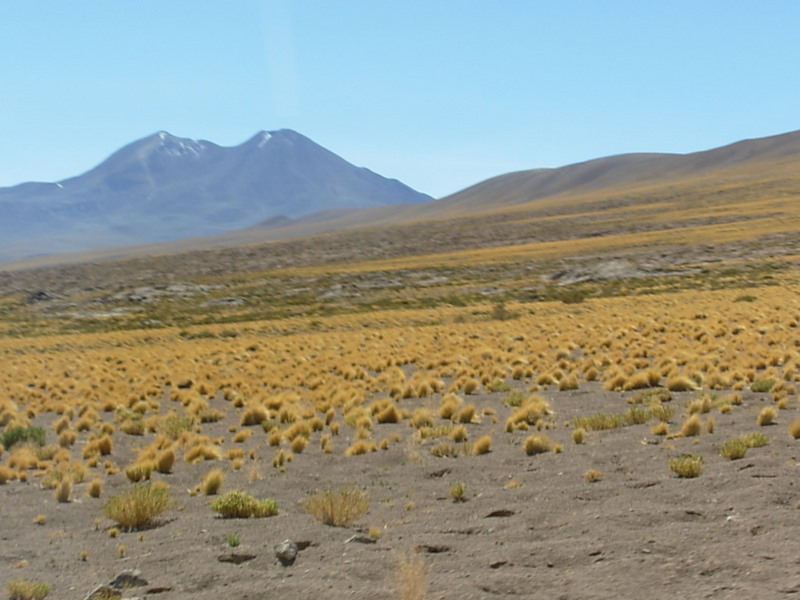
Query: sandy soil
640,532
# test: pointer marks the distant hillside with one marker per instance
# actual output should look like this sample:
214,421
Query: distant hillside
163,188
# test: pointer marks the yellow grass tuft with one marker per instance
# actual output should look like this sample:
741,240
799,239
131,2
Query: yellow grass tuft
483,445
338,508
212,482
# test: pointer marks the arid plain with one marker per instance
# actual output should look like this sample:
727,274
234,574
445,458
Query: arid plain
504,393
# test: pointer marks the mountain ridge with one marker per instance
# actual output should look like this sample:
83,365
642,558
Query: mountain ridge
163,187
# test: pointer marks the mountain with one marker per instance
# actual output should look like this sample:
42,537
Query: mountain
163,188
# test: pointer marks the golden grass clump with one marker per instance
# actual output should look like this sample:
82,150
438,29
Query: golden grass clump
458,434
531,411
421,417
95,488
593,475
362,446
483,445
410,577
579,435
734,449
242,436
24,589
338,508
466,414
537,444
794,429
63,490
138,506
202,452
212,482
6,474
679,383
165,460
390,414
254,415
766,416
687,466
691,426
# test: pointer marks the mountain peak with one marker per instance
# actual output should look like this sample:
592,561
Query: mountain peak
163,187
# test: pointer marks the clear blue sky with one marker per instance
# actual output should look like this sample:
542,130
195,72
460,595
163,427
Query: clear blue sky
440,94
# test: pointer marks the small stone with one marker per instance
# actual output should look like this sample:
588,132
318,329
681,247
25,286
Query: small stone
286,552
127,579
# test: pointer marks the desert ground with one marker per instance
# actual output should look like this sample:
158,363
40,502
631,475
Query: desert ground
394,404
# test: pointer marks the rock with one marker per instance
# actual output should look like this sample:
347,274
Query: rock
127,579
286,552
361,539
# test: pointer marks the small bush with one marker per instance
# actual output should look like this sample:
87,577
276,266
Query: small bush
15,435
734,449
687,466
755,440
636,415
238,504
137,507
23,589
599,422
537,444
458,491
337,508
762,385
794,429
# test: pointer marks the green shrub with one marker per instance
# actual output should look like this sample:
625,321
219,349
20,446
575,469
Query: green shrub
599,422
238,504
762,385
15,435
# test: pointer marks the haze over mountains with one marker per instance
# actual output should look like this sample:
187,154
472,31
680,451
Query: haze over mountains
163,188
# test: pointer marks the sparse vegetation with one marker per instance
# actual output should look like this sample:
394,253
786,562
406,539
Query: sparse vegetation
238,504
138,506
338,508
24,589
687,466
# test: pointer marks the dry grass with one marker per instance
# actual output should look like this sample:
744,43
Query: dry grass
483,445
537,444
410,577
766,416
24,589
593,475
138,506
687,466
212,482
338,508
238,504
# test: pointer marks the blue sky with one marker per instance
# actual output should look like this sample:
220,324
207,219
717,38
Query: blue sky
440,94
